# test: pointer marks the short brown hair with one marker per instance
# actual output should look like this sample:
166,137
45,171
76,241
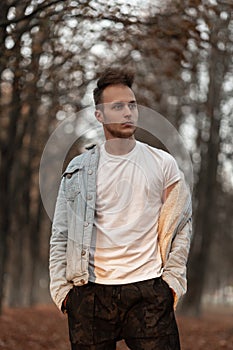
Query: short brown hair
113,76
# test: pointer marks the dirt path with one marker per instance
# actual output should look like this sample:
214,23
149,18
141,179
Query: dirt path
44,328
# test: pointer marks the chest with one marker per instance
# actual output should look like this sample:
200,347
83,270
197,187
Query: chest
124,181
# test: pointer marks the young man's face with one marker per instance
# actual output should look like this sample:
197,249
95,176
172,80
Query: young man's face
119,112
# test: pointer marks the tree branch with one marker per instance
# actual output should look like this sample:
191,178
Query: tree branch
124,20
31,15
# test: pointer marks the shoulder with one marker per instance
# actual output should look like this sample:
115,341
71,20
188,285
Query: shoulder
157,152
80,161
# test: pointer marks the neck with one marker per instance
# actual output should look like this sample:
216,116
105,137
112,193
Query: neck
120,146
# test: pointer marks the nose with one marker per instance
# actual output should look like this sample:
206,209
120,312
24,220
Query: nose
127,111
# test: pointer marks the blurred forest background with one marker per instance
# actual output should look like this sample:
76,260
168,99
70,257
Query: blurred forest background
50,55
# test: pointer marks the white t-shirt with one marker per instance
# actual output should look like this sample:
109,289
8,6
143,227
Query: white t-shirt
130,187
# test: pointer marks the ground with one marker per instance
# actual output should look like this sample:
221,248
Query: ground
45,328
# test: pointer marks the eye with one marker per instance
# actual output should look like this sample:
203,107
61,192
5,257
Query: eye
118,106
132,105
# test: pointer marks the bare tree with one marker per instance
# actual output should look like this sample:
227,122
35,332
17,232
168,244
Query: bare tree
217,62
51,53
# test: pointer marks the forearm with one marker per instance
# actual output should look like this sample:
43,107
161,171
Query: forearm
174,270
59,286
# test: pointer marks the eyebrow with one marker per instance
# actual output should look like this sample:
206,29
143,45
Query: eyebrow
115,102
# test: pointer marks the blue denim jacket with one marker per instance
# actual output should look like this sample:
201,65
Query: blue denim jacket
72,230
72,225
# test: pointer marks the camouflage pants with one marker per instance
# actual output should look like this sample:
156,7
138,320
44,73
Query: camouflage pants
141,313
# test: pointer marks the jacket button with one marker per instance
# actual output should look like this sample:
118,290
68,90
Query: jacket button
83,252
82,281
89,196
69,176
90,171
86,223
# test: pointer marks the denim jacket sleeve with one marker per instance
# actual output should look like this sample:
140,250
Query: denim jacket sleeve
174,271
174,233
69,248
59,286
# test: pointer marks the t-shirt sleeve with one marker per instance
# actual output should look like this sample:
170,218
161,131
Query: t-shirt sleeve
170,170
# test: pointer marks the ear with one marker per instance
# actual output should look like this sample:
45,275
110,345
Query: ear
99,116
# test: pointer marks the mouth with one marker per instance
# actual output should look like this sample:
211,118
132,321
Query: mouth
129,123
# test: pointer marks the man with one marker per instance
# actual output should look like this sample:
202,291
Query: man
121,233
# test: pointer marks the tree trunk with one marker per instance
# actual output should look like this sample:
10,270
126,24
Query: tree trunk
206,192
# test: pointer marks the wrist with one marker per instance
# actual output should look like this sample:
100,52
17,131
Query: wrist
64,304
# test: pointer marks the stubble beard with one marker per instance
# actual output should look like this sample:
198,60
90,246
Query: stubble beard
116,133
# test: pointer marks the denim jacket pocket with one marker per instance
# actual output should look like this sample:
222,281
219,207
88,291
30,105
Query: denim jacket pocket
72,180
